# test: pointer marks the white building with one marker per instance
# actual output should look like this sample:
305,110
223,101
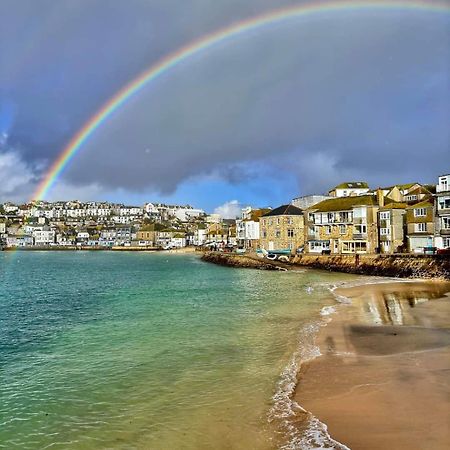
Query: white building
442,213
349,189
19,240
200,237
307,201
44,236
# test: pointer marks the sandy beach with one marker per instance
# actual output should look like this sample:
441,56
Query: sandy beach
382,381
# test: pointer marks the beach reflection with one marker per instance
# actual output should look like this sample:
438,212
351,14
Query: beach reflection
387,307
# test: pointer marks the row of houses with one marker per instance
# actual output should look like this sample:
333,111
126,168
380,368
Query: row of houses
101,212
352,218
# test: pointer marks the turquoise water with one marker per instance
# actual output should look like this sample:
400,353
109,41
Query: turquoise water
148,351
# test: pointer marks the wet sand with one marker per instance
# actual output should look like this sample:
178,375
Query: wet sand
383,380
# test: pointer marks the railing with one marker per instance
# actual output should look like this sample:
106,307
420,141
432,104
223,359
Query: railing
360,236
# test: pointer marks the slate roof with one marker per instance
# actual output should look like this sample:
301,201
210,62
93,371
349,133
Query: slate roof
285,210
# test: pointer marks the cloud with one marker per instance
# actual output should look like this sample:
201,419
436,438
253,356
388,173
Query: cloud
229,210
324,98
17,177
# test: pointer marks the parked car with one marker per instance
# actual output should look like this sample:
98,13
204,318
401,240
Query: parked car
443,251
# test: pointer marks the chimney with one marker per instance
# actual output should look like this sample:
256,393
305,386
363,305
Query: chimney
380,197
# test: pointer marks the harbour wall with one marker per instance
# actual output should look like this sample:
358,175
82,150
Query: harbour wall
399,266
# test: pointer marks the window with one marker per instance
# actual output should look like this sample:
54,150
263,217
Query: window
420,212
410,198
290,221
330,218
264,234
385,231
354,247
342,229
444,203
278,233
446,223
328,230
420,227
278,221
446,242
290,233
385,215
360,229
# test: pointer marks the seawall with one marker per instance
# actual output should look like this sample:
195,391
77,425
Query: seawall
242,261
399,266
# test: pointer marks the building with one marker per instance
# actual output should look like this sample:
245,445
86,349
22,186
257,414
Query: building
347,224
200,236
247,228
442,212
19,240
147,235
282,228
420,226
349,189
307,201
178,240
44,236
392,228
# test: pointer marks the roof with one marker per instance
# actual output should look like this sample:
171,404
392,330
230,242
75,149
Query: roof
419,190
344,203
394,205
352,185
400,186
284,210
255,214
149,227
423,204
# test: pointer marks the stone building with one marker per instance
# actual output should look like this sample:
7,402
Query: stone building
282,228
420,226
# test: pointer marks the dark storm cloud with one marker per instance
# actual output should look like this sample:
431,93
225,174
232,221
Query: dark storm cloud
360,95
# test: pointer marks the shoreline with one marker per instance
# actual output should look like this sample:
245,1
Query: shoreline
381,374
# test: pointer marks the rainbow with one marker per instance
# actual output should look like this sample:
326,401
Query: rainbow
205,43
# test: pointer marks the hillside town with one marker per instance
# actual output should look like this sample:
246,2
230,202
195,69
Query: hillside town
352,218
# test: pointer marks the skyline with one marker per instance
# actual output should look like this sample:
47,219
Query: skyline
287,120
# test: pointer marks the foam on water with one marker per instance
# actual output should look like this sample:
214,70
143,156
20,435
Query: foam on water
312,434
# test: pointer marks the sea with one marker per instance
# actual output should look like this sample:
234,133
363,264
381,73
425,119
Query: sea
130,350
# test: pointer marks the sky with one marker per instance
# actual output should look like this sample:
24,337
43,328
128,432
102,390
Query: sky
286,110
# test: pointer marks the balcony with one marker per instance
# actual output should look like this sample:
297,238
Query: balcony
445,231
360,236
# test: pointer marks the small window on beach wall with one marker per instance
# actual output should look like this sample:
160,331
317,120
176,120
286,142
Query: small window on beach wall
290,233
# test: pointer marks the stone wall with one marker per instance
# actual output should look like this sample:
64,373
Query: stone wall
402,266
